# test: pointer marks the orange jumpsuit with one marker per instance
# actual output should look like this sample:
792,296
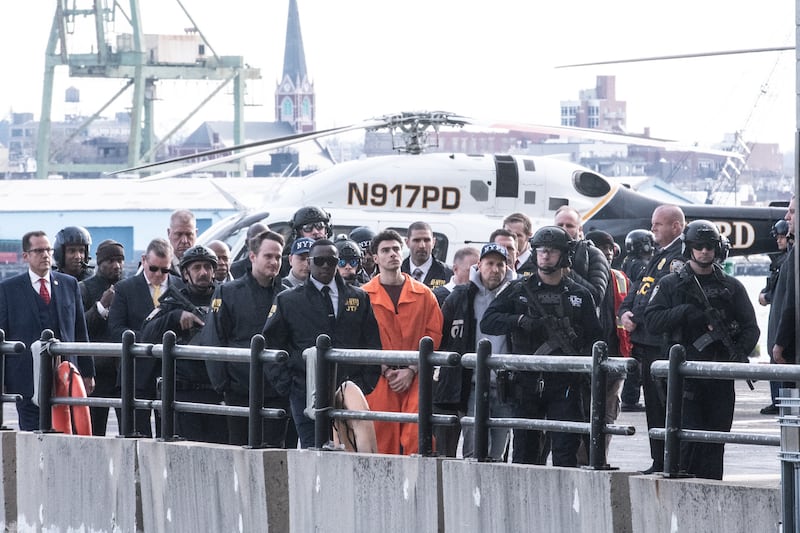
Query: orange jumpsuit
417,315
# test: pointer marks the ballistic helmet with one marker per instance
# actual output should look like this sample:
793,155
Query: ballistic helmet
781,227
347,249
363,236
71,235
311,215
702,232
198,252
640,242
555,237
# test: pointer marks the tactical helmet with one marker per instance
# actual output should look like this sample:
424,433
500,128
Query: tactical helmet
640,242
781,227
363,236
701,232
555,237
348,249
71,235
196,253
309,215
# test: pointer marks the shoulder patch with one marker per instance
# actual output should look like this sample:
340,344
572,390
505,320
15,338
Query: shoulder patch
676,265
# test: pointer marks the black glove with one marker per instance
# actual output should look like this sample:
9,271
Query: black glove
528,324
693,315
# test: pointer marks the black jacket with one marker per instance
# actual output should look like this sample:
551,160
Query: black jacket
239,310
92,290
298,317
677,309
565,300
439,273
167,318
590,269
665,261
458,335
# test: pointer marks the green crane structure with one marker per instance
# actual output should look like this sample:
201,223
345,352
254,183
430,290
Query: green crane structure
134,57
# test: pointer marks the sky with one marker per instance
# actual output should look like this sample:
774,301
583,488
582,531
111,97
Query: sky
493,60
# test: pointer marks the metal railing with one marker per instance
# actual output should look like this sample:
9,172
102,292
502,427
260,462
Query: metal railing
678,369
168,352
7,348
426,358
599,366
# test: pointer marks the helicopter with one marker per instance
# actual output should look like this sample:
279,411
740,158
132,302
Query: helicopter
464,197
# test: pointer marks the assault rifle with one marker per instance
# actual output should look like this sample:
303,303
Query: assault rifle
560,333
173,296
719,330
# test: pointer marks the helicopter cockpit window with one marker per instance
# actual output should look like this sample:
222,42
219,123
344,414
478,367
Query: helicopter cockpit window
590,184
479,190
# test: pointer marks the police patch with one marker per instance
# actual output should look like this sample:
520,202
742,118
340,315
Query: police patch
438,283
655,291
575,301
351,304
676,265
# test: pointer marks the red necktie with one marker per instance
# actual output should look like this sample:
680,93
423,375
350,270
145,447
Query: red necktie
43,292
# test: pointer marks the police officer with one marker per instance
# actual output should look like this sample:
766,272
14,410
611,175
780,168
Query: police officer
298,263
71,252
310,222
710,314
667,225
239,310
324,304
183,311
362,235
349,261
640,244
546,313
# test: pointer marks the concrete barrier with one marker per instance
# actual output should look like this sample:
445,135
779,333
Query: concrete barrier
8,486
499,497
336,491
72,483
702,505
191,486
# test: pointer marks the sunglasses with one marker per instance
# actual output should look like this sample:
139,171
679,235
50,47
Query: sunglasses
703,246
154,269
325,261
314,226
352,262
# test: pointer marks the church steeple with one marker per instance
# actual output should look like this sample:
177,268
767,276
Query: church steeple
294,96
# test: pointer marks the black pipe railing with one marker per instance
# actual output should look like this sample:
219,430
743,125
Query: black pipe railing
168,352
599,365
7,348
426,358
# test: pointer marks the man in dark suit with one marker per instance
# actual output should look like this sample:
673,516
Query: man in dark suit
97,294
420,263
31,302
135,299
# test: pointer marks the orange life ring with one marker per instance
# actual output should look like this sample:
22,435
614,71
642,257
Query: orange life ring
70,419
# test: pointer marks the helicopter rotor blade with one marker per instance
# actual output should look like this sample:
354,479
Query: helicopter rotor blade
681,56
249,148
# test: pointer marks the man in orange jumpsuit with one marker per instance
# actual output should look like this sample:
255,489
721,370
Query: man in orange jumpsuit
406,311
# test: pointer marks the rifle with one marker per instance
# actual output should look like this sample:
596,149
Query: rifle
560,333
719,330
177,297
